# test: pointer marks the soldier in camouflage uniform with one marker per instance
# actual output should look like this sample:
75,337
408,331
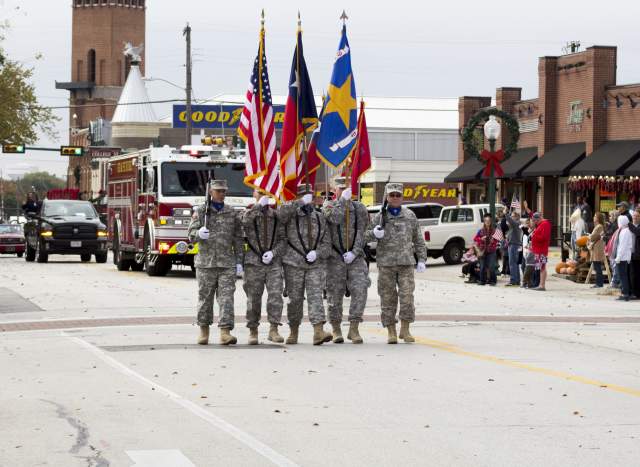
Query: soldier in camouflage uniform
263,266
346,266
218,231
399,238
304,264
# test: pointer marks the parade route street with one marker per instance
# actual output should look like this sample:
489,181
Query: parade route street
100,368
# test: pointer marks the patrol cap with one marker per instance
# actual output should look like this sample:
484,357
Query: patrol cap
219,185
302,190
340,182
394,188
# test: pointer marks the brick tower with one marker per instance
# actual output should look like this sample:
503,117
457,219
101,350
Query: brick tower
98,65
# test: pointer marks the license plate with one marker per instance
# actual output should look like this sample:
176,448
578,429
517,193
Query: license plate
10,248
76,244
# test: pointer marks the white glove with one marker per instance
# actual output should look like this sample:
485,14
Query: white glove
263,201
203,233
348,256
306,199
378,232
239,269
267,257
421,267
346,194
312,256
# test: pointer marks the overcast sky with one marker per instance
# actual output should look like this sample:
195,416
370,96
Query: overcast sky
399,48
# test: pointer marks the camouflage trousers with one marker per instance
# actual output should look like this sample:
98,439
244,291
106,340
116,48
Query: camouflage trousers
298,281
212,281
342,276
396,284
256,278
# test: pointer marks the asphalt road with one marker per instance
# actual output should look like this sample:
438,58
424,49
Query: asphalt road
100,368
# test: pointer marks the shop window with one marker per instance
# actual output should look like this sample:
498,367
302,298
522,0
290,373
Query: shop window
576,113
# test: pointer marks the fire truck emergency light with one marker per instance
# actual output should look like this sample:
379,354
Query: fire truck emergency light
13,148
71,150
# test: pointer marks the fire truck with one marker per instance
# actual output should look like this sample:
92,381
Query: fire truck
152,195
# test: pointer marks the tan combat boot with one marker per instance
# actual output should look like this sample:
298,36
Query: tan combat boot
354,335
319,335
393,337
226,338
404,332
253,336
337,333
293,335
274,336
204,335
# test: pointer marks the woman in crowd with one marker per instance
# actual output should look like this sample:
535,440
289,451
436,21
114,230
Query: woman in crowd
596,247
624,250
578,229
487,245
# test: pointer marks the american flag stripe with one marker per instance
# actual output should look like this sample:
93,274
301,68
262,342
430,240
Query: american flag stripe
262,168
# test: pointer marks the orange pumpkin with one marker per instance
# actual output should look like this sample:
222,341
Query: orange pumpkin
571,271
560,266
582,241
563,270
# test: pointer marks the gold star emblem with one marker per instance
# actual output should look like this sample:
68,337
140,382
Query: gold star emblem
341,101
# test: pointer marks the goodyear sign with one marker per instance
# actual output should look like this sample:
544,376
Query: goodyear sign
443,193
218,116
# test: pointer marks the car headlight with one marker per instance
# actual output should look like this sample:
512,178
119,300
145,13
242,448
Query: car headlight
102,233
46,233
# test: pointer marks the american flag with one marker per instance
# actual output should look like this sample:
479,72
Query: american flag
262,167
515,203
497,234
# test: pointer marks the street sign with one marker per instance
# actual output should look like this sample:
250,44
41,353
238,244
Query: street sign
13,148
71,151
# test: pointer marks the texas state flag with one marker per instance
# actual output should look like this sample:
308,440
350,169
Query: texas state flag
339,131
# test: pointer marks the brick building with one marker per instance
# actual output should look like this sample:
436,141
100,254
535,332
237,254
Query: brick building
581,135
99,70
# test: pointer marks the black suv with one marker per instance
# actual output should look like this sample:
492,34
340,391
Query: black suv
65,227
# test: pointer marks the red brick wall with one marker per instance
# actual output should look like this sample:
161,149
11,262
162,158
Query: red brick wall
623,122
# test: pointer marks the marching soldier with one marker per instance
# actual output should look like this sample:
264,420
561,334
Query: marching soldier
399,239
218,230
263,266
346,267
304,264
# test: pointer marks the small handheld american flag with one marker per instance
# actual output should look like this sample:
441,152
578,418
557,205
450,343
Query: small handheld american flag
515,203
498,235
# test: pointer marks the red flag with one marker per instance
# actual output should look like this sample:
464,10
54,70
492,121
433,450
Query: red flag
362,155
257,130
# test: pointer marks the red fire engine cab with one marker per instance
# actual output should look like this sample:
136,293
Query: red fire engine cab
152,194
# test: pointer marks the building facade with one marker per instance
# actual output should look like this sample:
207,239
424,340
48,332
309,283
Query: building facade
580,136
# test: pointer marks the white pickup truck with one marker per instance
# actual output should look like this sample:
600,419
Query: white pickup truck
454,232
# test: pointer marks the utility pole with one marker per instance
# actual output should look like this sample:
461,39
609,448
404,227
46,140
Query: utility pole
187,34
2,216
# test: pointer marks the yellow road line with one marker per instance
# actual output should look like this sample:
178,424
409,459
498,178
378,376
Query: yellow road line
452,348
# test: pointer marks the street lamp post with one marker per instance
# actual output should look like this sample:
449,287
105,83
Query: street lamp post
492,133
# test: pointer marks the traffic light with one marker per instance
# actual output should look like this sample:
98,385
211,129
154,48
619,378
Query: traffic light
71,150
13,148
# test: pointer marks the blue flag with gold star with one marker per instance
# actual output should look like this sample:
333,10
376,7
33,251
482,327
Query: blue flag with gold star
339,127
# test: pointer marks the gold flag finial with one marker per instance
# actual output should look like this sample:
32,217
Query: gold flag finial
299,20
344,17
262,18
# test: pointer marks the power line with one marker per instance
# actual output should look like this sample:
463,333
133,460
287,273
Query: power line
108,104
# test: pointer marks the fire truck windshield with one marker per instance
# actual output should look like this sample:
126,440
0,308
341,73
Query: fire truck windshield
190,178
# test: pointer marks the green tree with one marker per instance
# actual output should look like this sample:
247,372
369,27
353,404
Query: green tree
14,192
22,118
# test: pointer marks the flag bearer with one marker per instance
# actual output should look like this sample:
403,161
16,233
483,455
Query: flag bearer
304,264
346,266
400,242
267,243
217,229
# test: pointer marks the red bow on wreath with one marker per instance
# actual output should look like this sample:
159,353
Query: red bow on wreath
492,159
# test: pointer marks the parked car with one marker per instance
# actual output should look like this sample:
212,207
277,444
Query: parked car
11,239
65,227
454,231
427,214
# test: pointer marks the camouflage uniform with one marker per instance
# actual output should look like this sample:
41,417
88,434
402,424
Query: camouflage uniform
216,262
258,275
299,275
395,259
342,276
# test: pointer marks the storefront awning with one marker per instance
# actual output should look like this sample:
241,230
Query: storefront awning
519,160
467,172
633,170
557,162
612,158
